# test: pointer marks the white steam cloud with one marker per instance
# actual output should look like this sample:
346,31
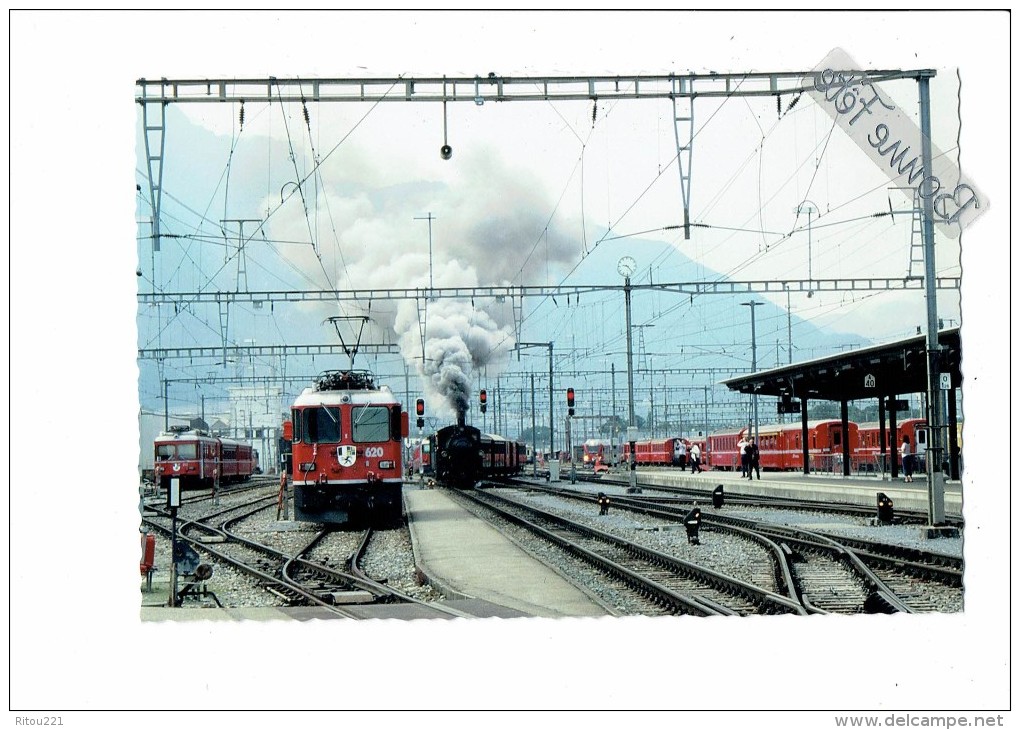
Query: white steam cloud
489,230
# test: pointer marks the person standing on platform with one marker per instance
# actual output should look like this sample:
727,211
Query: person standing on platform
695,459
908,460
742,455
753,459
681,454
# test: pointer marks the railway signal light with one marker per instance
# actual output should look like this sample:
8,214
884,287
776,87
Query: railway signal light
570,401
693,522
886,515
482,399
419,409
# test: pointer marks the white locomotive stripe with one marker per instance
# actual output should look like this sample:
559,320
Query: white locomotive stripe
342,482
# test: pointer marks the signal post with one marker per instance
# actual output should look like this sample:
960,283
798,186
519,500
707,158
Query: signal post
570,448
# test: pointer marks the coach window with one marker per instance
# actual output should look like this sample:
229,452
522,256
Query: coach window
322,425
371,424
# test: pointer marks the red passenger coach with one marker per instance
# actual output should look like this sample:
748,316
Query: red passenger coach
347,450
655,452
196,458
914,429
780,447
501,456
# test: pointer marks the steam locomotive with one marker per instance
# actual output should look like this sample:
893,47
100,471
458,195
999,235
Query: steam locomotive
462,456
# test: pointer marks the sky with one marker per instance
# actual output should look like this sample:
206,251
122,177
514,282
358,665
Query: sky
580,194
536,193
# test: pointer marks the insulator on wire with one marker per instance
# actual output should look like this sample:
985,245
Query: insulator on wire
793,103
241,115
304,110
779,105
594,111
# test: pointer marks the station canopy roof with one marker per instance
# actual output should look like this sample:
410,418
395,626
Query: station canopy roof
880,371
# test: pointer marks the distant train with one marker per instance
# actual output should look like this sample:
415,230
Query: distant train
596,451
198,458
462,456
421,458
346,439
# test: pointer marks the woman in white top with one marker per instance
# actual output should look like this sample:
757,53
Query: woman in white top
907,459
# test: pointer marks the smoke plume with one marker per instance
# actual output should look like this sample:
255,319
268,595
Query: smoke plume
488,230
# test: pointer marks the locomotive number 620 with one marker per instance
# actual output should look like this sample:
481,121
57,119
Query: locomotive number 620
373,452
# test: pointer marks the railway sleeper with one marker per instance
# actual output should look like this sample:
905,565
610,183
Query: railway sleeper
337,598
881,602
291,597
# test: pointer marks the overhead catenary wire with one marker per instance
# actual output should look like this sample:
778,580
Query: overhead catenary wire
572,310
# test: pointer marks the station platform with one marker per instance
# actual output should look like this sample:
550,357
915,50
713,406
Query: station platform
464,556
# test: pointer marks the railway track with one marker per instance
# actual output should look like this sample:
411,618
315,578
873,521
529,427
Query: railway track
887,584
291,576
830,573
894,577
668,584
154,495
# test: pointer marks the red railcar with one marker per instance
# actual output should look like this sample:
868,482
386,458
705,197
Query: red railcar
655,452
421,458
914,429
197,459
347,449
597,451
780,447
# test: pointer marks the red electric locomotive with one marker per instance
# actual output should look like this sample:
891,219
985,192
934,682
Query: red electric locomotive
196,458
347,443
780,447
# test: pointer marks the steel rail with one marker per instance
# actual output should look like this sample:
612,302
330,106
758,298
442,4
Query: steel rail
771,602
783,576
